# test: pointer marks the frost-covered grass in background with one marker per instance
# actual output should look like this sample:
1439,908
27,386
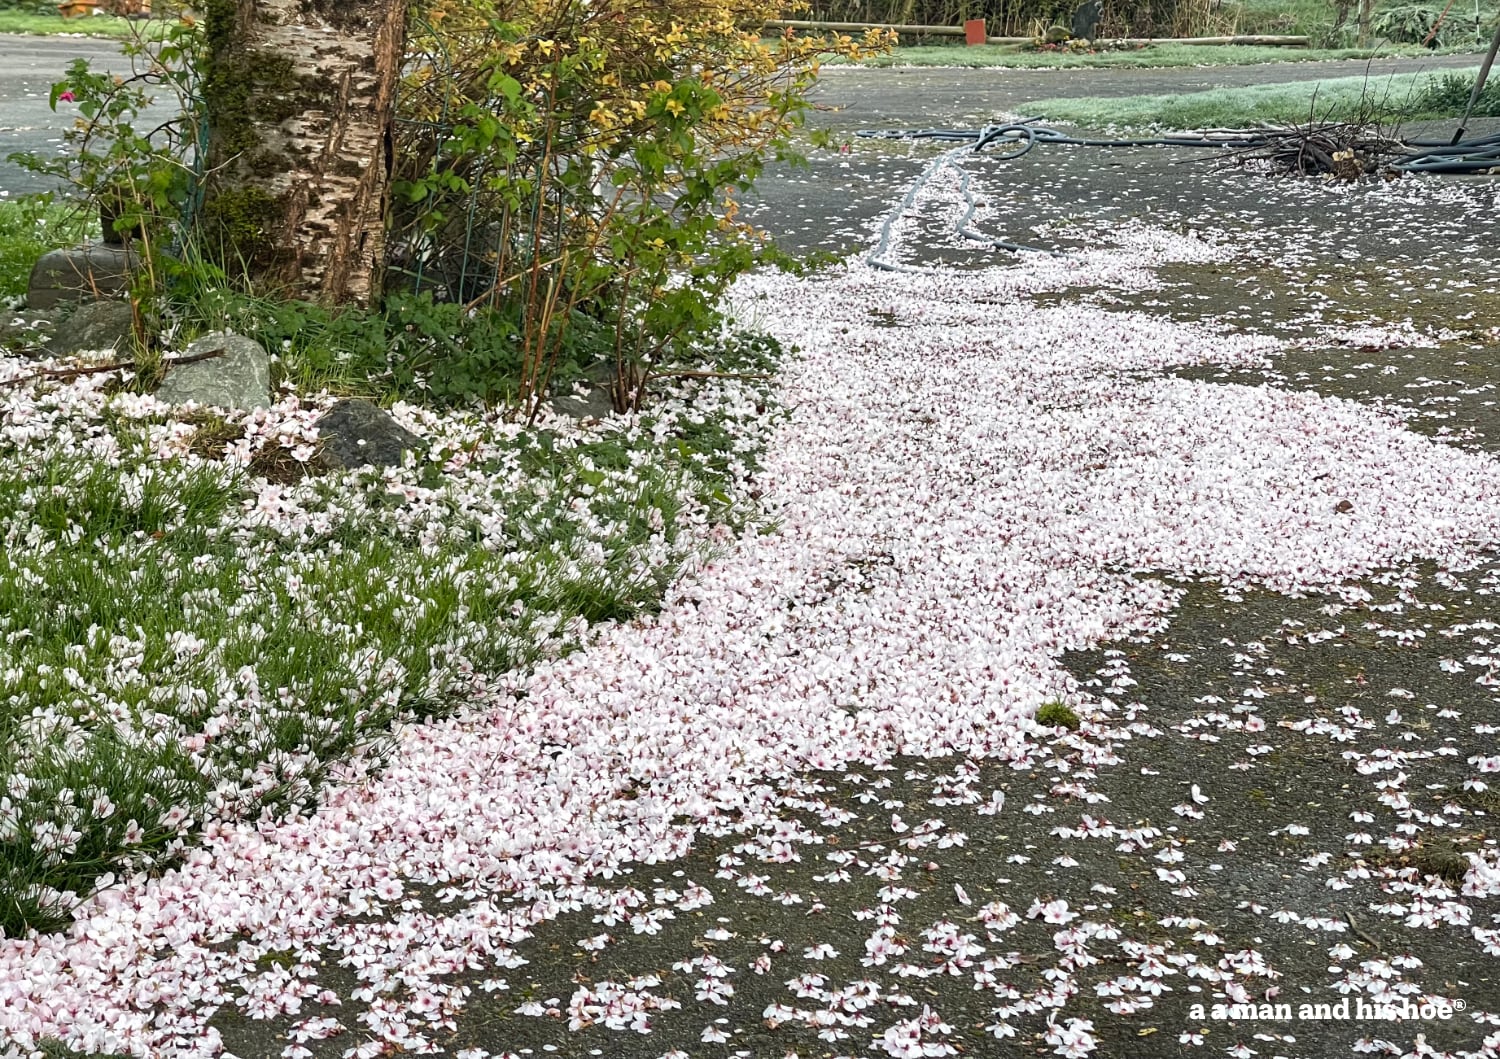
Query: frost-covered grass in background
187,640
1392,98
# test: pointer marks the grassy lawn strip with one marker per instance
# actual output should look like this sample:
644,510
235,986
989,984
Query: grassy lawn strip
186,641
29,228
53,25
1385,99
1147,57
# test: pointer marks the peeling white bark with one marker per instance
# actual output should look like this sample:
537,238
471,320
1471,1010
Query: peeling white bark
335,69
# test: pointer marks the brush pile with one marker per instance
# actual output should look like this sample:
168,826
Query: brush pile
1342,151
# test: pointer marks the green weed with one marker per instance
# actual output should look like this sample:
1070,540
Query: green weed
1448,95
1057,715
29,228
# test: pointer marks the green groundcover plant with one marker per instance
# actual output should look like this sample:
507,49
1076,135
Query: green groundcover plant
198,622
195,628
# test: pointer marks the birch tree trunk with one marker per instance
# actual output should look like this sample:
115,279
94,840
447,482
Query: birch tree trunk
300,97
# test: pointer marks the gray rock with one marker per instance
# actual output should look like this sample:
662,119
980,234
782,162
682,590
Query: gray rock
359,433
239,377
596,401
81,273
24,330
107,325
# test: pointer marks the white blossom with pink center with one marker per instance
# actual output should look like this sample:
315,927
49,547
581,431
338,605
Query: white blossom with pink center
969,485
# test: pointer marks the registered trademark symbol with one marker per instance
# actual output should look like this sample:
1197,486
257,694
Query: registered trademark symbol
1459,1005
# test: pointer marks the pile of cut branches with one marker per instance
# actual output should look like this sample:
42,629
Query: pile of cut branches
1344,151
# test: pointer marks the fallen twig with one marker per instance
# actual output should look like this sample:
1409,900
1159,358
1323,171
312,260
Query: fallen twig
749,376
1360,934
100,369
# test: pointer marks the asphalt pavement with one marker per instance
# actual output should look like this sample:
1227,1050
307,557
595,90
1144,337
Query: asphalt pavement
832,204
28,68
928,95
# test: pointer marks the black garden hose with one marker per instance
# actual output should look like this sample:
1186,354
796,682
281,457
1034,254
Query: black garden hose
1472,156
1477,155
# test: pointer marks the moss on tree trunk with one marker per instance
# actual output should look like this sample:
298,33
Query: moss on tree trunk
300,97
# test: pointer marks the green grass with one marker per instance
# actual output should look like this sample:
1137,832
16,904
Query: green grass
1152,56
165,656
1385,99
347,635
28,229
54,24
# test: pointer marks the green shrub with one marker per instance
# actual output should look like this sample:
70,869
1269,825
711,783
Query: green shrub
1426,24
1449,94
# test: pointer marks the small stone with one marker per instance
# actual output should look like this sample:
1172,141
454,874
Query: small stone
238,377
25,330
358,433
94,327
80,273
596,401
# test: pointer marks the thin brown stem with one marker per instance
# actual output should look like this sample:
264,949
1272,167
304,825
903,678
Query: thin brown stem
100,369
